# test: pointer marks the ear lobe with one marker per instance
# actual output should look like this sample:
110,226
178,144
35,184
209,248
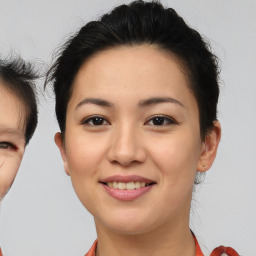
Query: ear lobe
209,148
59,142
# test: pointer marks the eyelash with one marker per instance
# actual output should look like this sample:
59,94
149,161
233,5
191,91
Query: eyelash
7,145
167,120
95,118
102,121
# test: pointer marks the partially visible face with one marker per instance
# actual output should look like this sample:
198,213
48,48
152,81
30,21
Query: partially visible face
12,140
132,140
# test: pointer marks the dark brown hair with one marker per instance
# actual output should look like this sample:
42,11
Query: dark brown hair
18,77
138,23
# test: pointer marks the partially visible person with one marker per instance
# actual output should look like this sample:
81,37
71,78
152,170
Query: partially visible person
18,117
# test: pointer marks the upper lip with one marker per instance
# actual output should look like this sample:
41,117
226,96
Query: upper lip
126,179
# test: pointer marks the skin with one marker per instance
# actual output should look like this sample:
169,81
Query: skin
127,142
12,140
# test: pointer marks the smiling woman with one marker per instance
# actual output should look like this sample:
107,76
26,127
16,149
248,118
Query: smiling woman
136,98
18,117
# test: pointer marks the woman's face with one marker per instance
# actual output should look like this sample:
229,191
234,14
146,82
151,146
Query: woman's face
132,142
12,140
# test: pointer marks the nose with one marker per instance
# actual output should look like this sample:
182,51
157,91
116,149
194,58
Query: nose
126,147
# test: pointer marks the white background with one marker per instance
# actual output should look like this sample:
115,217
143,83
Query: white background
41,215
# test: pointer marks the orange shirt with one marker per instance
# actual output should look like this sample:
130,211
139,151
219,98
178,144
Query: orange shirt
216,252
91,252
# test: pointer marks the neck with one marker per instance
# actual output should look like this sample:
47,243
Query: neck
178,240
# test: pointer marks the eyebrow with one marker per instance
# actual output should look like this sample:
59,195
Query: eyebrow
158,100
10,130
143,103
95,101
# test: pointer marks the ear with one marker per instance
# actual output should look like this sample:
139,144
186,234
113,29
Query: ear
209,148
60,144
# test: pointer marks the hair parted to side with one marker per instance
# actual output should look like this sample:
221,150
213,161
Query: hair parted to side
19,77
139,23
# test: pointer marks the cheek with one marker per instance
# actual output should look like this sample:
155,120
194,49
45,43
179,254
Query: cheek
84,154
84,158
177,163
8,171
177,157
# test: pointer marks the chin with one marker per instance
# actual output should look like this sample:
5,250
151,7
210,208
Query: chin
127,223
129,228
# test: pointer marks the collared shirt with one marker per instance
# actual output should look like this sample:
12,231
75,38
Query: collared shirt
219,251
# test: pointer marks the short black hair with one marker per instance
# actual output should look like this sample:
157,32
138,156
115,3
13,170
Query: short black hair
138,23
18,77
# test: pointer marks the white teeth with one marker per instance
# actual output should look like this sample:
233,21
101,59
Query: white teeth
110,184
137,185
115,184
121,185
143,184
129,185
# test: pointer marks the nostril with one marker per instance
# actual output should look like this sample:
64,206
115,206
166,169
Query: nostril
126,165
126,150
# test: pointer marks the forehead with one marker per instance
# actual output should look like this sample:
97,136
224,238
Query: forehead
146,57
133,71
12,112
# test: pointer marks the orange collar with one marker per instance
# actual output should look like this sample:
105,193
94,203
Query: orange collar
91,252
198,249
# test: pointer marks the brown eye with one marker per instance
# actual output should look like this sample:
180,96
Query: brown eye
95,121
160,121
6,145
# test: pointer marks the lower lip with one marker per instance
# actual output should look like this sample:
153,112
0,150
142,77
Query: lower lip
125,194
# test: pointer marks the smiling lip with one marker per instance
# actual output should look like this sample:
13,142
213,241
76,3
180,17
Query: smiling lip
130,178
140,186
